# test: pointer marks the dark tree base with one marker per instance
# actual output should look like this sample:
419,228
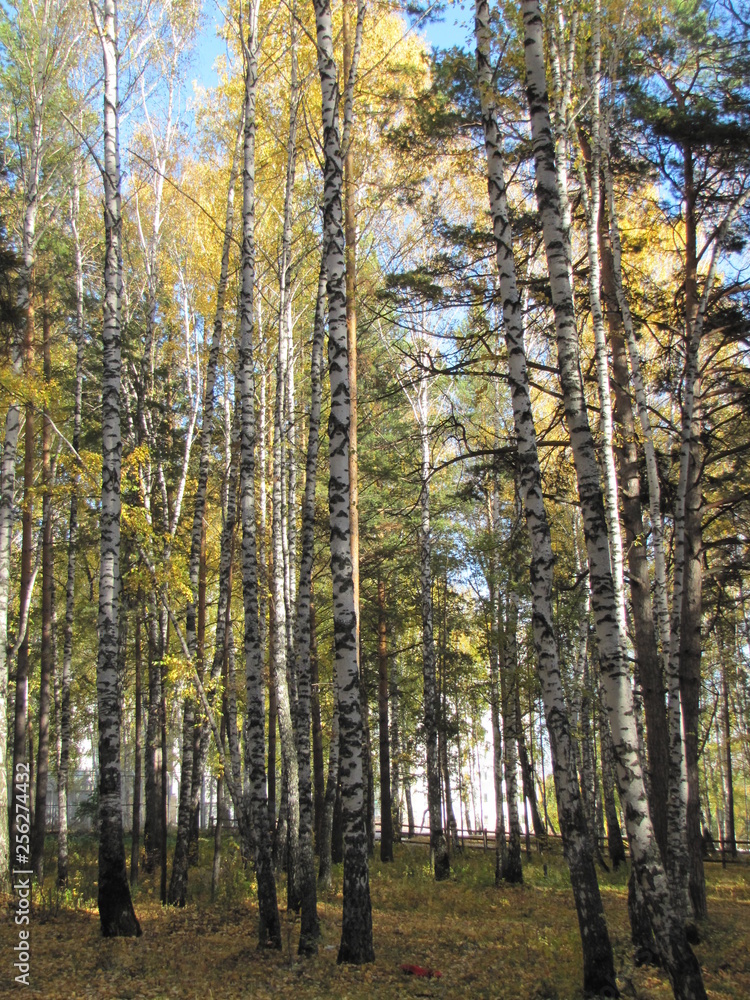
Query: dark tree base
641,934
684,970
116,913
356,946
511,871
441,860
309,924
269,925
308,936
177,894
607,989
598,982
692,932
646,956
599,978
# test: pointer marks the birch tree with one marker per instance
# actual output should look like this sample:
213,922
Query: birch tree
254,728
116,912
598,960
356,933
283,512
309,929
677,956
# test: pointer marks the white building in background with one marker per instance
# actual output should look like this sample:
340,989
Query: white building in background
475,791
82,789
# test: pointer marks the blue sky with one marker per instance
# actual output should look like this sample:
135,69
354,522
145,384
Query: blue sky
453,29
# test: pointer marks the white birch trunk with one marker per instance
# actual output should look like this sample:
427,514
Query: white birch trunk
606,428
115,907
309,929
652,470
512,871
255,763
356,933
679,960
599,974
284,515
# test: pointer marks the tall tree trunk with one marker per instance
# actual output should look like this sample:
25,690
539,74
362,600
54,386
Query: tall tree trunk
356,934
395,745
598,961
409,808
438,844
273,719
285,465
135,844
216,864
689,639
351,53
326,826
351,60
279,648
21,708
48,611
496,642
201,732
116,912
527,778
588,758
62,684
662,625
730,838
386,817
450,816
649,665
512,871
163,782
7,492
681,964
154,832
317,727
269,932
309,929
177,893
615,844
591,204
690,674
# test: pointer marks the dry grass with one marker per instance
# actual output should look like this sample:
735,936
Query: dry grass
487,943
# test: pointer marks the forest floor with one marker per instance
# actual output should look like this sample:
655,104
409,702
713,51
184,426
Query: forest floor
514,943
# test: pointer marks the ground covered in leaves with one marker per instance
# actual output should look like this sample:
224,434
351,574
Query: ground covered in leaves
514,942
